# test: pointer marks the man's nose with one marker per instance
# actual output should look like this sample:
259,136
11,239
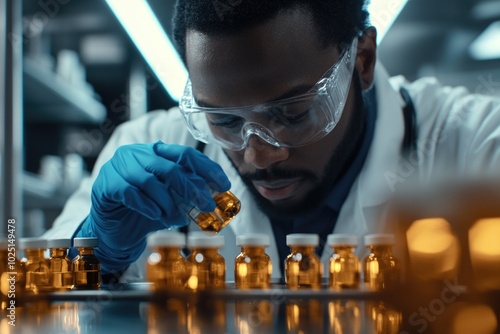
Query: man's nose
261,154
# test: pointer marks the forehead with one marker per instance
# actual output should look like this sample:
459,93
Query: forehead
259,63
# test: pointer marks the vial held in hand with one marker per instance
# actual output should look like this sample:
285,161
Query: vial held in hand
227,206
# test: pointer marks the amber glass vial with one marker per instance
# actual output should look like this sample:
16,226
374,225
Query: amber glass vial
227,206
206,267
37,266
252,267
381,268
344,265
86,266
303,268
166,267
61,268
10,267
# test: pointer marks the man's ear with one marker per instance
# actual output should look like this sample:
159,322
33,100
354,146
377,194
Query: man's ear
367,56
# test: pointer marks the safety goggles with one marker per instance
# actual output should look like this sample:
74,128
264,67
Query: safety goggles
290,122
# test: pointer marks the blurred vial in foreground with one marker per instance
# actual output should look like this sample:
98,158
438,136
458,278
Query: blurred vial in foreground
252,267
37,266
86,266
433,249
166,267
206,268
484,248
61,268
345,268
303,268
381,268
226,207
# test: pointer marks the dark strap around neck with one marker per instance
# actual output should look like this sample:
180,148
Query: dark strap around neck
410,138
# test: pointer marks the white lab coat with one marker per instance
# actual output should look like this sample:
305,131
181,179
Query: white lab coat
453,126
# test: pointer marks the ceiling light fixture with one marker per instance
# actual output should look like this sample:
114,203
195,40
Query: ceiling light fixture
486,46
383,13
143,27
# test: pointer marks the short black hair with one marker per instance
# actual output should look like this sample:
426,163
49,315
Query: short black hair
338,21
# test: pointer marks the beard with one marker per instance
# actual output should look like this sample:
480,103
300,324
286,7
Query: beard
335,169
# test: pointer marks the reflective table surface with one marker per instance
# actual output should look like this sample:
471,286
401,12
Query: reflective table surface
134,308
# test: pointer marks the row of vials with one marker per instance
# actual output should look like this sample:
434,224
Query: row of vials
205,268
40,271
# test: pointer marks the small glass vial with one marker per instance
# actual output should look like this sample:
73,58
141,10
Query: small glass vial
227,206
252,267
166,267
303,268
61,267
37,266
86,266
12,275
205,266
344,265
381,268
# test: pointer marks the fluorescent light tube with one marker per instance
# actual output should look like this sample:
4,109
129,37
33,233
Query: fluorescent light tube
487,45
143,27
383,13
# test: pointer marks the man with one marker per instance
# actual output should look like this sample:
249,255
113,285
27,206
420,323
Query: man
300,122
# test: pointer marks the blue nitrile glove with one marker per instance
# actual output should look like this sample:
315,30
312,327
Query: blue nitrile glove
141,189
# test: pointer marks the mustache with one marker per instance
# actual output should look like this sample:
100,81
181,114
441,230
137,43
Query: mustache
279,173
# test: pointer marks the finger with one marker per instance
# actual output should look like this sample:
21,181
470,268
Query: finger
113,187
192,190
190,187
155,176
194,162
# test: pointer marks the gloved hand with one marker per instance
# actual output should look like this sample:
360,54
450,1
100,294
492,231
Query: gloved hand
143,188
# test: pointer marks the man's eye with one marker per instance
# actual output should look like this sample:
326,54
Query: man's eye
226,121
297,118
293,113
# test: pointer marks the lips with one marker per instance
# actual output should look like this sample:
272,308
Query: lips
278,189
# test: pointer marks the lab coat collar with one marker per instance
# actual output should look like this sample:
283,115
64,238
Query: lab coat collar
384,155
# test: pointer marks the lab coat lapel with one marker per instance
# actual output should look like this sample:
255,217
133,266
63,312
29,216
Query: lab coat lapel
362,212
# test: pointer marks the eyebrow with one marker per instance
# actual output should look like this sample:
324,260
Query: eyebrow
295,91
